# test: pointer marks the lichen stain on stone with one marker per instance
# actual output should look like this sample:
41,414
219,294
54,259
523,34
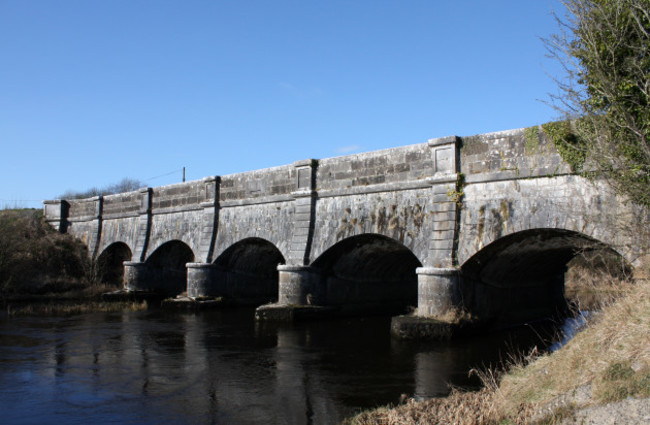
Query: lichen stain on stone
500,218
481,225
506,209
418,216
346,228
380,223
393,218
497,228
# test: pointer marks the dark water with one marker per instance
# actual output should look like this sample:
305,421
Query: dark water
155,367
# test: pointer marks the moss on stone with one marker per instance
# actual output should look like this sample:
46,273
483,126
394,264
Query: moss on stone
531,135
567,142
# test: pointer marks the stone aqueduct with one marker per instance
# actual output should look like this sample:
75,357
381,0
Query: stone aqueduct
486,222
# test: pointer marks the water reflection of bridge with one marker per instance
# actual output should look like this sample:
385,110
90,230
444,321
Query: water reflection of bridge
221,367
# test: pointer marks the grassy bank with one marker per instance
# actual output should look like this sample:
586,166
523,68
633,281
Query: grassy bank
45,272
36,259
606,362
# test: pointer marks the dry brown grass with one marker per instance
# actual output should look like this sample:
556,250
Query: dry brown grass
611,358
607,361
462,408
34,258
59,308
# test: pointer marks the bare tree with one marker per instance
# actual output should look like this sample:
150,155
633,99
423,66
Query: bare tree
125,185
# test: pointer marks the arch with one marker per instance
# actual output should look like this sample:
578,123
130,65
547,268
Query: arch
521,276
246,272
109,266
370,270
166,267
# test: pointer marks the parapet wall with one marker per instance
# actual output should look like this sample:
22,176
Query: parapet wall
514,153
511,155
121,205
84,209
395,165
258,184
182,196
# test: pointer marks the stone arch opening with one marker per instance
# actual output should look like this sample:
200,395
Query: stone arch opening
369,271
109,266
247,272
166,267
522,276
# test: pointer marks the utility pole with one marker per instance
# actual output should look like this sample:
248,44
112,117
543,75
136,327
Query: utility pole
183,174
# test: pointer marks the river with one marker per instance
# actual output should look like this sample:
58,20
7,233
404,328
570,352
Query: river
222,367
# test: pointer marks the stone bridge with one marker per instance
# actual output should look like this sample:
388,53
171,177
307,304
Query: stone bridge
487,223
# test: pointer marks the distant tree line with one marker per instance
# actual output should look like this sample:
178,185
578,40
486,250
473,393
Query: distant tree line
125,185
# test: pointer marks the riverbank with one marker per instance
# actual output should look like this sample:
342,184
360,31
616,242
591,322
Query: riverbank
77,299
36,259
47,273
608,362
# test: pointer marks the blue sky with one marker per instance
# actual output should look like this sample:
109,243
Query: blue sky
95,91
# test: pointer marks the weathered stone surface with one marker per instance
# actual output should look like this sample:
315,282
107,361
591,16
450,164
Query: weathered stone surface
438,291
405,216
501,209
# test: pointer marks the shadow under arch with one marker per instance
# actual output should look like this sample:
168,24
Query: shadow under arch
109,266
369,271
166,267
247,272
521,276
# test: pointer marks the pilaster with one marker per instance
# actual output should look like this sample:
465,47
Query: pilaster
144,224
305,210
96,227
446,201
209,218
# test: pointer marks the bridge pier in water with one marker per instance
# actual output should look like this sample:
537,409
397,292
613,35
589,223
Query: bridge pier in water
200,278
439,306
298,285
300,295
437,291
136,276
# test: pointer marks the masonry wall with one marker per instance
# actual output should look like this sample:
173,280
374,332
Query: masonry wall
119,220
512,180
515,154
397,165
257,204
121,205
272,222
178,197
260,185
403,215
494,209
